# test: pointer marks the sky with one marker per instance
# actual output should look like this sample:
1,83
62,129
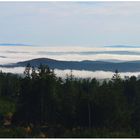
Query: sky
70,23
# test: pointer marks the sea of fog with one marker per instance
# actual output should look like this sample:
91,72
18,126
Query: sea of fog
13,54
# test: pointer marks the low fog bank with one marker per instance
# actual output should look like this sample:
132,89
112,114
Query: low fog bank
76,73
94,74
15,54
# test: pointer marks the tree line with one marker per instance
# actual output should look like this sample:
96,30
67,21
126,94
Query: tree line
72,104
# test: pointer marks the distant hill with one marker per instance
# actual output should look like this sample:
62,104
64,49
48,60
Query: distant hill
130,66
10,44
122,46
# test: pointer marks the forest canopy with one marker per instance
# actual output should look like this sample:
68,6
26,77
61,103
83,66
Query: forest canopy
39,104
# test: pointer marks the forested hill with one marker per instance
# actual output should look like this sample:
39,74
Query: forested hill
130,66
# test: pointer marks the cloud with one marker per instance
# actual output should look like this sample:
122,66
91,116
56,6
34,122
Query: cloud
76,73
31,52
93,74
70,23
18,53
92,8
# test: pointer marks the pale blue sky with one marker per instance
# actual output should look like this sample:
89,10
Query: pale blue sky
70,23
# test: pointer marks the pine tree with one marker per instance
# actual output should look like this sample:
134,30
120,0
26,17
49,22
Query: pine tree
116,76
27,71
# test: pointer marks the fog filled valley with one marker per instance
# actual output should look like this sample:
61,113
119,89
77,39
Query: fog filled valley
11,54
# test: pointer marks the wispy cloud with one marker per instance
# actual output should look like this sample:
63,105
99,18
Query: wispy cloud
92,8
70,23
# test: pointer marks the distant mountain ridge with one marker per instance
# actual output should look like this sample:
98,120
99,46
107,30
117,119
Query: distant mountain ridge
122,46
130,66
13,44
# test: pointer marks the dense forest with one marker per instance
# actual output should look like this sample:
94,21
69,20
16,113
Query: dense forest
39,104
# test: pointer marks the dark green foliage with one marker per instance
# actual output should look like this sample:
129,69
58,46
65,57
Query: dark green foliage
71,107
